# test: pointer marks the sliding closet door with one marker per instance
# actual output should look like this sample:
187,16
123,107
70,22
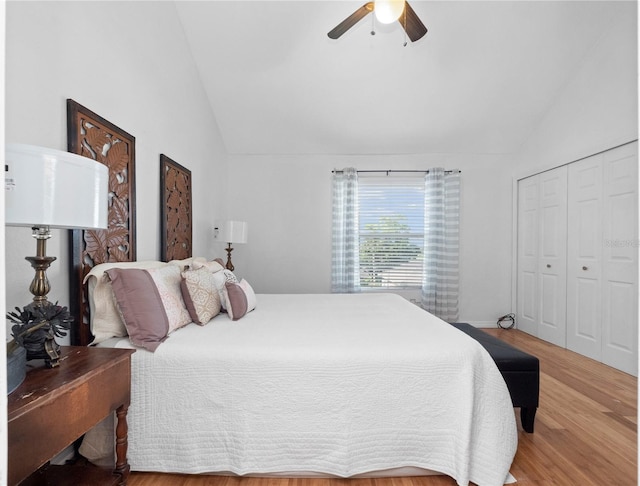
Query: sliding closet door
577,276
527,285
620,259
552,259
584,312
602,258
542,253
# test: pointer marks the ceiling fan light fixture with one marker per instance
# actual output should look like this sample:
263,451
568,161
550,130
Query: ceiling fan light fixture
399,10
388,11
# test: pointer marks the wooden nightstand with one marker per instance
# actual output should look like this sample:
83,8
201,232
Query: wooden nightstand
54,407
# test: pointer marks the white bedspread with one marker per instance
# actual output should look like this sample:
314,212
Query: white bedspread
336,384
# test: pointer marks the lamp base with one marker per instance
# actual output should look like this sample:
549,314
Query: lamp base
44,348
53,353
229,265
40,284
41,262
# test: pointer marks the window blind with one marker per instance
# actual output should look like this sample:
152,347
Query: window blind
391,223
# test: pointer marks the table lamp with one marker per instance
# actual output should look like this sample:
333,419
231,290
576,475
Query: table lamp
47,188
233,232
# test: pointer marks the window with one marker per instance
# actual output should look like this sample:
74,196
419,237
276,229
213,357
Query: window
391,231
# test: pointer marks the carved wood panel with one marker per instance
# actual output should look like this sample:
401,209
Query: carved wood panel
175,208
92,136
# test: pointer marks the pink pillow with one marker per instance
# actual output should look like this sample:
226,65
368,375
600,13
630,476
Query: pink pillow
150,303
236,301
240,299
140,306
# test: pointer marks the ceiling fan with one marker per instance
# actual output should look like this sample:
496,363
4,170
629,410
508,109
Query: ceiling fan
386,11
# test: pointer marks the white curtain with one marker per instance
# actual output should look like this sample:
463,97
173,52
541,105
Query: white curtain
345,251
441,244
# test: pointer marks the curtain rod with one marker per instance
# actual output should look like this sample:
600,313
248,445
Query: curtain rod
334,171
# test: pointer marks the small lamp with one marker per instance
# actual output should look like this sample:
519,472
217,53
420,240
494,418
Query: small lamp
47,188
233,232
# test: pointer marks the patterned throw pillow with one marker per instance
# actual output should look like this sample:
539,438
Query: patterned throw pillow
200,295
221,277
167,280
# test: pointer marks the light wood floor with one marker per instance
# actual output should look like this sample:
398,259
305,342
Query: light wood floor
585,431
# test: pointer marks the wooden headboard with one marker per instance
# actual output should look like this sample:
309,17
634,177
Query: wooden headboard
175,210
92,136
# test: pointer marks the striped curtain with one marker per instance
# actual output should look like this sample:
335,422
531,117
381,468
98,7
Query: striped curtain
345,247
441,244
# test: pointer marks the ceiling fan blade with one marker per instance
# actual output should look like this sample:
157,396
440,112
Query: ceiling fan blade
412,25
351,20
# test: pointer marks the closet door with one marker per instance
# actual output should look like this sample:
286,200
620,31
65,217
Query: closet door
542,252
577,276
620,259
527,273
584,312
552,257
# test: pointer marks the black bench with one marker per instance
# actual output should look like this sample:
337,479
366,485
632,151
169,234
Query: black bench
520,370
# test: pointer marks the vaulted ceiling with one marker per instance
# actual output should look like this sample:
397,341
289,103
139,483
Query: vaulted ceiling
479,81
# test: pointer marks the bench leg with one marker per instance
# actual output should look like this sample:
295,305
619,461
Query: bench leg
527,416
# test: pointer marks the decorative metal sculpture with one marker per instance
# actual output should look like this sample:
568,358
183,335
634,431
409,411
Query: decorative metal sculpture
35,328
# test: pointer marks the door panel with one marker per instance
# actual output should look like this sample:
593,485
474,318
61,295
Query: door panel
552,262
620,259
529,304
583,316
584,253
527,284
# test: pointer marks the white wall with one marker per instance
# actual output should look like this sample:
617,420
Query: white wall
287,199
598,107
139,74
287,203
128,62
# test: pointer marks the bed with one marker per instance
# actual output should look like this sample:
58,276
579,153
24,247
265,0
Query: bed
288,385
339,384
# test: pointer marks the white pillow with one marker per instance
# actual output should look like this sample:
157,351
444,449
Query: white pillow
105,321
188,262
220,279
212,266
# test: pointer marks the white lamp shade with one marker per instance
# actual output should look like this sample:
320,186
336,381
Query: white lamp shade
234,232
47,187
388,11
